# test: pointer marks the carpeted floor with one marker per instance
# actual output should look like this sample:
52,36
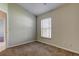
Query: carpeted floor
36,49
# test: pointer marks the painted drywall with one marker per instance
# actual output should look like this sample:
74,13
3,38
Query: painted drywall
65,27
3,8
22,26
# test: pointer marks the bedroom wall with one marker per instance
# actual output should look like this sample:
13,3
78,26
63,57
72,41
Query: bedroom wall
4,7
22,26
65,27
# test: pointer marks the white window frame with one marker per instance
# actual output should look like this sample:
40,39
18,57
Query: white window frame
50,28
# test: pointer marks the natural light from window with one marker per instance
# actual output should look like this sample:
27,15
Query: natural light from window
46,28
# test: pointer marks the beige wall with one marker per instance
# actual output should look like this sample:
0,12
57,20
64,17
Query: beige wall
65,27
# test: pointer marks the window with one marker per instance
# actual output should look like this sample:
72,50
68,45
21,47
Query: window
46,28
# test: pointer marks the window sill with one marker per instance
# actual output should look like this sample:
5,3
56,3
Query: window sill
45,38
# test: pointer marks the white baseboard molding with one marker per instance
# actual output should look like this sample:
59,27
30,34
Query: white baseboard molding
61,47
2,46
2,49
21,43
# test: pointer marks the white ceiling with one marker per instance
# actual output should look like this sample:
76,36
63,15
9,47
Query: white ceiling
40,8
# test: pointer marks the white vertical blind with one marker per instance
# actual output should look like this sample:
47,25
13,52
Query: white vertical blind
46,28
